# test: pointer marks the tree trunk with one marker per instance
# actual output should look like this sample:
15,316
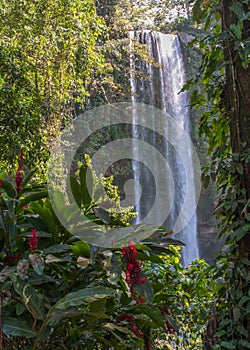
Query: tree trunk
238,100
238,106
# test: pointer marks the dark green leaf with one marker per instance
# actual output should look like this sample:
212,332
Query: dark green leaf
103,215
86,183
244,343
242,330
17,327
58,248
228,345
26,179
85,296
31,198
76,190
81,249
29,296
9,189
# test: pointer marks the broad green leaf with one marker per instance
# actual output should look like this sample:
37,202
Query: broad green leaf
116,270
58,248
17,327
145,257
29,296
98,305
243,300
93,316
85,296
160,250
20,308
244,343
227,345
102,214
96,311
146,291
31,198
9,189
220,333
153,312
37,263
11,209
242,330
47,216
27,179
142,247
76,190
112,326
236,29
239,168
86,184
59,314
81,248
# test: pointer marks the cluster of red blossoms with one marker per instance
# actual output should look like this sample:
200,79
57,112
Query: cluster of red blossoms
19,173
33,240
133,270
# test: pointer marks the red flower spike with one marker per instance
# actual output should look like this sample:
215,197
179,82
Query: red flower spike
133,270
33,240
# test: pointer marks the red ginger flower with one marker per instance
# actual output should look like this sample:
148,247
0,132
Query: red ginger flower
133,273
33,240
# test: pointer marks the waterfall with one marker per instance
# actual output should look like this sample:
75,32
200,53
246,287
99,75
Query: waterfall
158,84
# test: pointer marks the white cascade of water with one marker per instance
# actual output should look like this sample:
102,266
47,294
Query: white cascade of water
159,86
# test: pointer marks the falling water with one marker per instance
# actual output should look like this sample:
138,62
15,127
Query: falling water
158,84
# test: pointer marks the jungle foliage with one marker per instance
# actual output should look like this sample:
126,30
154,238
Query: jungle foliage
224,90
47,55
59,292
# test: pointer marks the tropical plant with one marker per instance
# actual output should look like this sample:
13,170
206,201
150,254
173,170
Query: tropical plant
60,292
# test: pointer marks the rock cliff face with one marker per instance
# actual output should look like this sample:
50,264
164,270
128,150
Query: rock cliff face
209,244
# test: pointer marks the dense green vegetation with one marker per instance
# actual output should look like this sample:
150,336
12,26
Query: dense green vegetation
57,59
